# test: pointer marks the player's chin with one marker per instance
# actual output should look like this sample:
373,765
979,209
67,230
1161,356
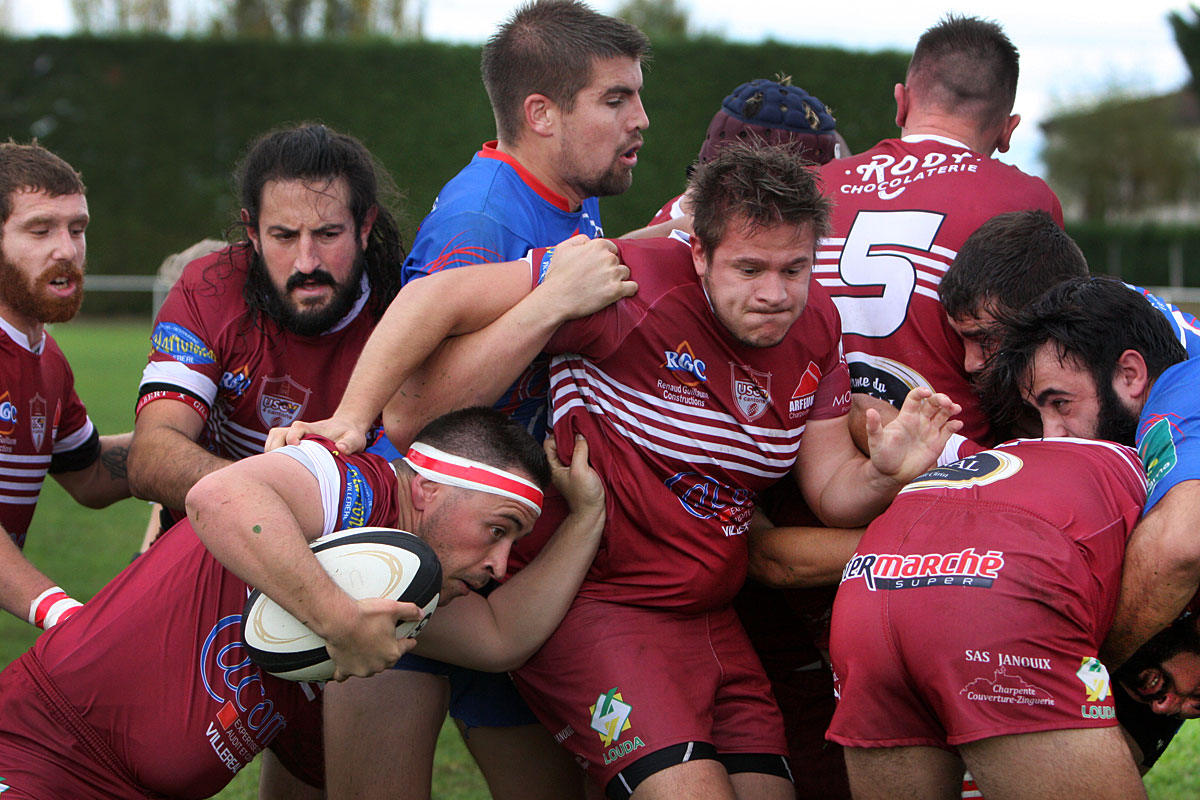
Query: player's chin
453,588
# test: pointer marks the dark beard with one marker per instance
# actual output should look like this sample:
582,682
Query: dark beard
1115,422
31,297
610,184
300,320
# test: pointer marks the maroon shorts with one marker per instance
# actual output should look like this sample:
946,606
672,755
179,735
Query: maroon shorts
978,630
618,683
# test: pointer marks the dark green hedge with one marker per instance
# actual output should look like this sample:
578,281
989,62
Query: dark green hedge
156,124
1140,254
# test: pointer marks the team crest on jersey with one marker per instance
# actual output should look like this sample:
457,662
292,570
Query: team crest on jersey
751,390
37,420
8,415
979,469
920,571
281,401
806,392
682,362
1157,449
181,344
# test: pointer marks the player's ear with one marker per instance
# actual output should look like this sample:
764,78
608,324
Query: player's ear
541,114
900,92
699,256
423,492
1006,132
1131,378
364,232
251,231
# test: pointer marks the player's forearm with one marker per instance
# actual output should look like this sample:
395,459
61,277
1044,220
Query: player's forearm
854,495
798,557
20,581
1161,573
105,480
421,316
517,618
165,463
469,370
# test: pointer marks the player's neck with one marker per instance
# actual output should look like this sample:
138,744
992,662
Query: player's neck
32,329
406,514
949,127
539,162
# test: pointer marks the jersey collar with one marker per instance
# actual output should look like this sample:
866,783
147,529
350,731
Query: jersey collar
21,339
490,150
365,294
933,137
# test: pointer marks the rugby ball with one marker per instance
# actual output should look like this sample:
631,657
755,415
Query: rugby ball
365,563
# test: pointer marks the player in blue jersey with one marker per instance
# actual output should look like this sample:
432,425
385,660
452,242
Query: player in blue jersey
564,84
1098,361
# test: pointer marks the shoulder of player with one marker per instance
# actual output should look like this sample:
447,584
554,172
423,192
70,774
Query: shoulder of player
216,274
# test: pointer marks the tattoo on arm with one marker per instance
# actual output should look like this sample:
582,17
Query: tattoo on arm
114,460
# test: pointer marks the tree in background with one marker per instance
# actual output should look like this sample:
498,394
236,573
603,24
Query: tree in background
658,19
123,16
295,19
1123,158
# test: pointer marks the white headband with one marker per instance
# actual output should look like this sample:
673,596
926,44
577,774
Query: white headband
435,465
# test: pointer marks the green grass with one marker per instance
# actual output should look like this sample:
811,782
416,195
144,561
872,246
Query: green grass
83,549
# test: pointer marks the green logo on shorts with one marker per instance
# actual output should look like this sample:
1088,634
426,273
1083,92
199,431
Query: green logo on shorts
1157,452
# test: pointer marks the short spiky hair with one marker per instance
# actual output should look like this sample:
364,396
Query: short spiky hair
966,65
762,185
34,168
1090,320
487,436
548,47
1008,262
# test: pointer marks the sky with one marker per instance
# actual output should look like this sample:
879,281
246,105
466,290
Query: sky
1072,51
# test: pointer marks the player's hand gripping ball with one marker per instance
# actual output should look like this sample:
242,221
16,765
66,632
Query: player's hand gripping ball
365,563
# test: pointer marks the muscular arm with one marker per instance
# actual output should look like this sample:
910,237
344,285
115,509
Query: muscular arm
584,276
500,632
20,581
104,481
164,459
785,558
1162,572
256,517
846,489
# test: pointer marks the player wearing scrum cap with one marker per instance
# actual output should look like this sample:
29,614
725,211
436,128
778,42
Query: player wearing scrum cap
83,714
766,112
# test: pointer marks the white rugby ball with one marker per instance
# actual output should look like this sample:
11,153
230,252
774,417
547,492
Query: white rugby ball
365,563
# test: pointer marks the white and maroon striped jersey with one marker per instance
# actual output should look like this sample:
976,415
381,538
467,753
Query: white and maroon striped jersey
41,418
902,210
685,425
244,376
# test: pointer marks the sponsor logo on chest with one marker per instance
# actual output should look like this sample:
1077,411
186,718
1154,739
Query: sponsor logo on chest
8,415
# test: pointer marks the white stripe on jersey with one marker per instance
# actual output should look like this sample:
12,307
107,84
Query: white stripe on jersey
73,440
181,376
14,459
21,500
727,443
319,461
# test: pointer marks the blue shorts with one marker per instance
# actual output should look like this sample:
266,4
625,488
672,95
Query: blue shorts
477,699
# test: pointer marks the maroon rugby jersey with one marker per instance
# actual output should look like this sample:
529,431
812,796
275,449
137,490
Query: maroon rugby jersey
155,664
1091,491
244,377
41,419
902,211
685,425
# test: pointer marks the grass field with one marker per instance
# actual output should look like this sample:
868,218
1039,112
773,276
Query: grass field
83,549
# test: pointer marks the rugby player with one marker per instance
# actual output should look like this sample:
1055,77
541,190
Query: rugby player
91,711
44,427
